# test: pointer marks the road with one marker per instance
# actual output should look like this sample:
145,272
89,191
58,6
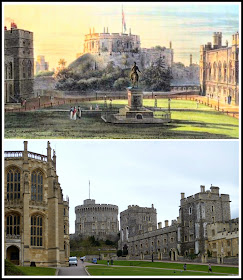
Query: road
73,270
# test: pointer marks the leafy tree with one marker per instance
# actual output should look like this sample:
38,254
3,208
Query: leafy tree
121,83
156,77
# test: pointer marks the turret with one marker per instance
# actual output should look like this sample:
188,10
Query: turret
217,40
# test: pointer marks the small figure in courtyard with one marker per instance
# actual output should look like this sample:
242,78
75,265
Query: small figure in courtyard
71,113
134,75
79,112
96,107
184,266
197,103
91,107
74,113
209,268
108,262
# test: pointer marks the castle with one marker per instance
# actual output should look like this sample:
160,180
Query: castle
197,231
219,69
18,64
98,220
36,222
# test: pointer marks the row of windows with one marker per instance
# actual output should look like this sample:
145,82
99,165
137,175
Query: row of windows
13,185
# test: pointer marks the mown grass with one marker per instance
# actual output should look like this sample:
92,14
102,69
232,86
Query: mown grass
11,269
203,123
169,265
141,271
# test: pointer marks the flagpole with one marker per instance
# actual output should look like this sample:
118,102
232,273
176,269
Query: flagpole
122,19
89,189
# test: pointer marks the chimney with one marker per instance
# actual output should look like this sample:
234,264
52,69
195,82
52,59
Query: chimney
190,59
166,223
107,30
227,43
182,195
202,188
170,45
25,146
152,206
104,29
160,225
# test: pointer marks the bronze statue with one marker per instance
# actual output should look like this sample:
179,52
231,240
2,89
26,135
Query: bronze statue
134,75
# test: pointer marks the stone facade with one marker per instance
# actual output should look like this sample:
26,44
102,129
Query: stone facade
223,239
187,235
98,220
36,215
18,64
219,69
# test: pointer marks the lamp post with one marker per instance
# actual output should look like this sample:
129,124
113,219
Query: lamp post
105,103
169,104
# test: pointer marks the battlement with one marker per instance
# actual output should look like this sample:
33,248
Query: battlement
235,39
18,33
96,207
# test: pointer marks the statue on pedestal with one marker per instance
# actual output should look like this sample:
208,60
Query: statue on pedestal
134,75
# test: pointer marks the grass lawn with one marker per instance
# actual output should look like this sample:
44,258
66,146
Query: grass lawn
201,123
179,266
141,271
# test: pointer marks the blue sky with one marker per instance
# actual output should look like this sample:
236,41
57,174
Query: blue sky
59,28
143,173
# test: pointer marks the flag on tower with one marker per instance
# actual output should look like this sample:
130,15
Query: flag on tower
123,20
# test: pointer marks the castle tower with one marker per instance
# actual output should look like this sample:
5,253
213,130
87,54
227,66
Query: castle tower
196,212
217,40
19,64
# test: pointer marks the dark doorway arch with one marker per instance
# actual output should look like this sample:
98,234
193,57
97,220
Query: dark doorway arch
13,254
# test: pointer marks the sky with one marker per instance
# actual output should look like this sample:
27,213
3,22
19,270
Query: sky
59,29
143,173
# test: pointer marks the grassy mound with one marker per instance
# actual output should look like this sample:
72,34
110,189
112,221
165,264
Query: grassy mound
11,269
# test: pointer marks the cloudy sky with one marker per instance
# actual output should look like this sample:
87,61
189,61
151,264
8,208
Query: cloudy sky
59,29
143,173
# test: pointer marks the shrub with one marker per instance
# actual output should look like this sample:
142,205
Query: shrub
11,269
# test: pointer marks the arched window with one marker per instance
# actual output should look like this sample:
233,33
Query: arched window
13,184
214,70
13,224
225,72
219,71
37,185
36,231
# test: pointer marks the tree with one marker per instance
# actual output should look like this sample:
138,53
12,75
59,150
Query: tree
157,76
62,63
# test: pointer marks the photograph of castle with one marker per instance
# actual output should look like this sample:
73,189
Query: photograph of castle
121,139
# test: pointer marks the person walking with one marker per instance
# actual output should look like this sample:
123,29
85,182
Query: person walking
71,113
79,112
209,268
184,266
74,113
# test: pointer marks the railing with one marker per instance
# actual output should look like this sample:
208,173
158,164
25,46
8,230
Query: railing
20,154
15,154
37,156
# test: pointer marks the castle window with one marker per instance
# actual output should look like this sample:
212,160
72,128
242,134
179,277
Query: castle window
214,70
228,243
164,241
190,210
64,229
214,245
213,232
213,219
212,208
219,71
10,72
13,184
36,231
190,223
172,239
185,238
13,224
191,237
64,212
29,68
37,185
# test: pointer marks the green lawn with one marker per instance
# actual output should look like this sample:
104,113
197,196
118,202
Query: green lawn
201,123
179,266
37,270
141,271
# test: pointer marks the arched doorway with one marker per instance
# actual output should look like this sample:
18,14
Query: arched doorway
13,254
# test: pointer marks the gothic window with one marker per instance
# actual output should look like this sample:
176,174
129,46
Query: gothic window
225,72
190,210
6,71
64,229
13,184
37,185
219,71
36,237
214,70
64,211
212,208
13,224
